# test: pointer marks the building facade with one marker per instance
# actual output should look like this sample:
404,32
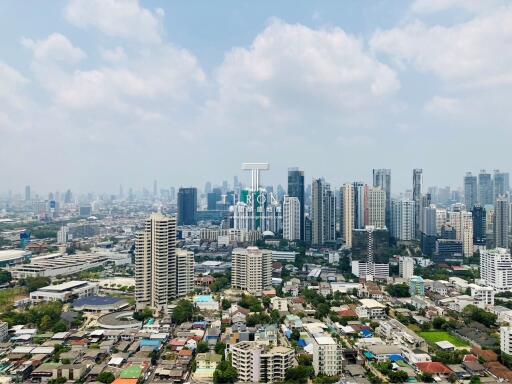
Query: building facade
251,270
291,218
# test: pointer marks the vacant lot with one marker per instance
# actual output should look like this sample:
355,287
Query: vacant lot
435,336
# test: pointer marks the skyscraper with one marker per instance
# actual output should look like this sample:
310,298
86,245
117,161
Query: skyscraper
485,188
376,198
462,221
501,222
291,218
323,213
360,204
184,272
27,193
155,263
382,179
347,213
417,179
501,183
187,206
251,270
479,225
470,191
428,229
402,223
296,189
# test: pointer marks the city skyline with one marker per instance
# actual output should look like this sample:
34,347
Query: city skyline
103,89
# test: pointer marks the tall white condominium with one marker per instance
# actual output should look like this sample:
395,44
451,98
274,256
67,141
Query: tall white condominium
155,263
257,362
402,223
496,268
251,270
462,221
184,272
376,207
323,213
506,339
291,218
501,222
406,267
347,212
441,219
417,181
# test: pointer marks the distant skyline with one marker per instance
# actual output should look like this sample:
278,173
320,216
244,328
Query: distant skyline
98,93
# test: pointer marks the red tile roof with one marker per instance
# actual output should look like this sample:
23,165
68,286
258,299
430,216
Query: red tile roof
433,368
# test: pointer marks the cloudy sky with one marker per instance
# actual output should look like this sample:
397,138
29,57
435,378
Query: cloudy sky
97,93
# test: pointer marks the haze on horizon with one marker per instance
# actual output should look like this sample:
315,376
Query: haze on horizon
98,93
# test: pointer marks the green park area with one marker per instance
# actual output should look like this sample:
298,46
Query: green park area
435,336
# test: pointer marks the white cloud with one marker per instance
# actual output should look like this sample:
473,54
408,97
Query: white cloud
117,18
56,48
474,53
434,6
439,105
113,55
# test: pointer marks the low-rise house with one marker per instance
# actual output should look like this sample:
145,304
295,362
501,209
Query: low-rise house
371,309
434,368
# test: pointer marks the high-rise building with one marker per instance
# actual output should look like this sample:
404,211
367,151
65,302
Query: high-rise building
212,198
501,183
506,339
251,270
470,191
360,204
462,221
296,189
416,286
402,224
428,230
257,362
187,206
496,268
370,244
207,187
501,222
155,263
382,179
417,181
376,207
323,213
347,213
485,188
406,267
184,272
479,225
291,218
28,197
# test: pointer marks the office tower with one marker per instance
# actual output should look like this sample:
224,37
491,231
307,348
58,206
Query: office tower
501,183
485,188
212,198
187,206
207,187
429,230
405,267
479,225
225,187
376,208
308,230
291,218
496,268
296,189
27,193
470,191
441,218
417,179
501,222
251,270
444,195
155,188
85,211
434,193
382,179
258,362
184,272
360,204
402,224
417,286
155,263
462,222
172,194
347,212
323,213
68,197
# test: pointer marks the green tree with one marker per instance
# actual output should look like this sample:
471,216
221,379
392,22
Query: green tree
426,378
224,373
438,322
475,380
183,312
202,347
46,323
5,276
226,304
219,284
219,348
106,377
398,290
34,283
275,316
300,374
60,326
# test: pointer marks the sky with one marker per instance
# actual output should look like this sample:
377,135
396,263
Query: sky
98,93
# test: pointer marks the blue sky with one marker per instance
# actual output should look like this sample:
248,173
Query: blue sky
124,92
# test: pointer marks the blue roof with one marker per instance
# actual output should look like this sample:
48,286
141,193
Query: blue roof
395,358
302,343
369,355
366,333
96,300
150,343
